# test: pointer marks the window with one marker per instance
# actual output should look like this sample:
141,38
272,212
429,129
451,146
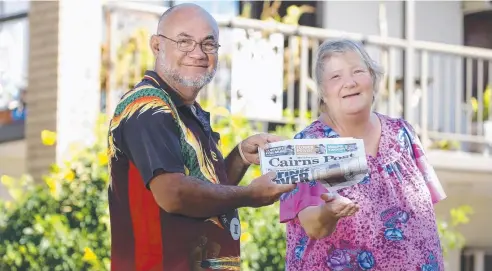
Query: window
10,8
14,50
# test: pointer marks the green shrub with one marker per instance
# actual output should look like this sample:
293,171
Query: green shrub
62,224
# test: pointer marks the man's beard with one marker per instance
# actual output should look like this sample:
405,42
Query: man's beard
197,82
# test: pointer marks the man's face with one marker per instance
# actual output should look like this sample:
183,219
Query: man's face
177,60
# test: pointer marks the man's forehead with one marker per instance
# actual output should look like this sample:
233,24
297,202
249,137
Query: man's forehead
191,22
184,35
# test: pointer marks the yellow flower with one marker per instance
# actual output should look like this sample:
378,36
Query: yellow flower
89,255
474,104
48,137
237,122
55,168
244,226
225,144
102,157
7,180
22,249
70,176
220,111
245,237
51,182
256,172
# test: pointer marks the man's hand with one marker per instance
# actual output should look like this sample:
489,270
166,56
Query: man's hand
263,191
245,154
250,146
336,206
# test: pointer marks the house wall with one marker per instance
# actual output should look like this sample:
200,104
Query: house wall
63,85
436,21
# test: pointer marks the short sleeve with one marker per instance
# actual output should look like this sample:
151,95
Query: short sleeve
432,181
150,140
304,195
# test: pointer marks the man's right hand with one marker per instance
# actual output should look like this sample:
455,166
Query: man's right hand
263,191
336,206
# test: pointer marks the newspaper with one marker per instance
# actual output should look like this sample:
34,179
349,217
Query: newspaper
334,162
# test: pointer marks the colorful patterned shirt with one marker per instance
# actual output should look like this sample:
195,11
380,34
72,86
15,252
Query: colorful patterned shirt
154,132
395,228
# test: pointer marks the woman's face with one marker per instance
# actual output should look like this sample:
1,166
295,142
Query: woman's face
347,86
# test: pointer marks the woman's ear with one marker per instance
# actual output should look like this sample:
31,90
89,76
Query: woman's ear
321,104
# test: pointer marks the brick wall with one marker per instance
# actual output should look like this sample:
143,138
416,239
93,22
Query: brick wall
42,84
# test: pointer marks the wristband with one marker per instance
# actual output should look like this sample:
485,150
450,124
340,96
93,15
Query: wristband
242,155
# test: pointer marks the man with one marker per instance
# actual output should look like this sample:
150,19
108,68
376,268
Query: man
173,197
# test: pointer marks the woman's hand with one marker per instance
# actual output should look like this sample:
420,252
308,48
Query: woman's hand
336,207
320,221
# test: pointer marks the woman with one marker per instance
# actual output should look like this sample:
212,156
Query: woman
387,221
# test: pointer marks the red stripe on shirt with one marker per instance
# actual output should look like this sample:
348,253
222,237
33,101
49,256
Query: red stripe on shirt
146,221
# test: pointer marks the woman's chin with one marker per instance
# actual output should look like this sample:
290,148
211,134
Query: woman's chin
354,110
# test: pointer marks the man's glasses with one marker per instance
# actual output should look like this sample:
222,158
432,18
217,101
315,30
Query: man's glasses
188,45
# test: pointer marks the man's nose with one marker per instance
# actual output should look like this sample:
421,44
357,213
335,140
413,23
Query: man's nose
197,53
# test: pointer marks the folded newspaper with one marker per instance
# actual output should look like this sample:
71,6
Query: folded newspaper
334,162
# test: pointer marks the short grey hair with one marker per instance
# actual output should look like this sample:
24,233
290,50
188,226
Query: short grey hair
330,47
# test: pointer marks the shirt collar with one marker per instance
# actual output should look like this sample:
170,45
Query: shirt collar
157,81
154,79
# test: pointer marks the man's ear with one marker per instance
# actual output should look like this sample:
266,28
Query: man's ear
154,44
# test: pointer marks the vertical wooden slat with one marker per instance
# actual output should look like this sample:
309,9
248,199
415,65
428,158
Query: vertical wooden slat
459,100
447,95
469,94
303,80
391,86
480,90
424,70
314,92
293,45
435,93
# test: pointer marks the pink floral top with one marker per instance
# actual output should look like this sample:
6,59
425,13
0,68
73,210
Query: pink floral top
395,228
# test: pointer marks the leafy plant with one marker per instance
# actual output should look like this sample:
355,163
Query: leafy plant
61,224
133,50
450,236
445,145
487,94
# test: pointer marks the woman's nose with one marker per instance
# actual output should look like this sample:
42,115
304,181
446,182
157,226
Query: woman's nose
350,82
